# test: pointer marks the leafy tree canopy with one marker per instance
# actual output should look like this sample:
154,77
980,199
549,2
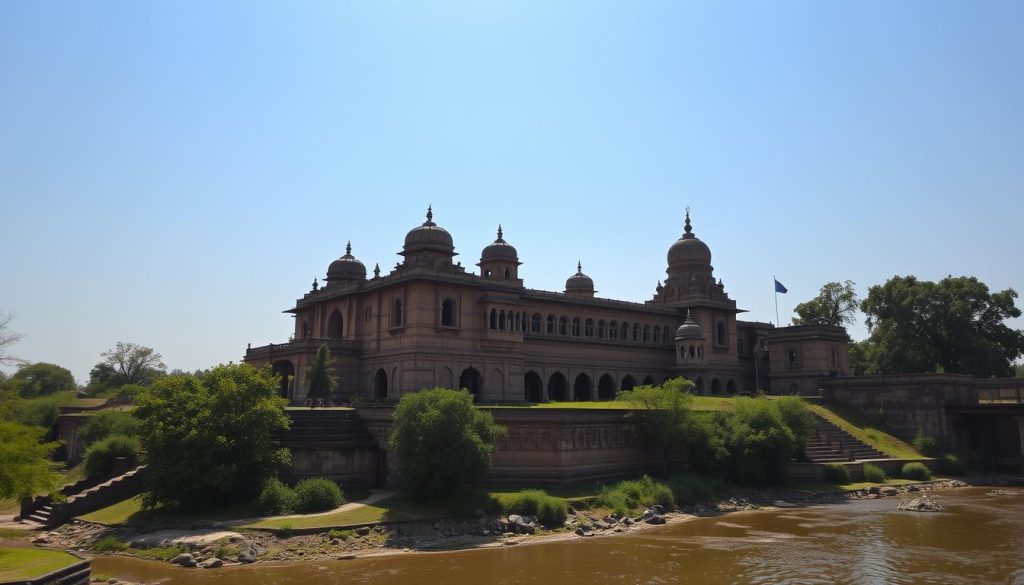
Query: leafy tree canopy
442,442
835,305
126,363
42,379
663,416
954,326
211,439
25,466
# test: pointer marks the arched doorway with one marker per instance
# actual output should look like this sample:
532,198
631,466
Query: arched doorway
286,372
534,387
648,381
380,384
716,386
699,385
628,383
471,380
335,329
730,386
581,389
558,387
606,388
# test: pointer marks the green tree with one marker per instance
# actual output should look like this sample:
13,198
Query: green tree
109,422
955,326
126,363
7,339
663,416
211,439
320,377
835,305
42,379
758,441
442,442
25,466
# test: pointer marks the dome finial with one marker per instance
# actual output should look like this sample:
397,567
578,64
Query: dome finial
688,229
376,270
579,267
500,236
430,213
348,248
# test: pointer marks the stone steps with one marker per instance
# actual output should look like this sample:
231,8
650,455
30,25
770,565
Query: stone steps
832,444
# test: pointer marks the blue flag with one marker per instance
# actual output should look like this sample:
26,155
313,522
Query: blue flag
779,288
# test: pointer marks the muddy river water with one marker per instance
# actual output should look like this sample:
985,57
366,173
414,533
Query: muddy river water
979,538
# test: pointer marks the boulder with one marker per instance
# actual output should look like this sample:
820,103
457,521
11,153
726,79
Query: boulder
185,560
658,509
655,519
784,504
211,563
363,530
921,504
248,555
889,491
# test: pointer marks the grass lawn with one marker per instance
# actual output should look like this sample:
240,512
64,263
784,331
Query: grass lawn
129,512
699,403
858,425
393,509
20,563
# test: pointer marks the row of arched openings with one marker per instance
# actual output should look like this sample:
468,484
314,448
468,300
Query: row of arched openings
577,327
581,389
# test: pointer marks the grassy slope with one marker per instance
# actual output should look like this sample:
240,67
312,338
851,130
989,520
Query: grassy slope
859,426
393,509
130,512
19,563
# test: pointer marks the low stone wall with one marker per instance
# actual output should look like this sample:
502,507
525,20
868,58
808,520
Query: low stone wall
549,446
101,496
79,573
345,465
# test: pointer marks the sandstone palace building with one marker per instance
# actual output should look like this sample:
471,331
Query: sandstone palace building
434,322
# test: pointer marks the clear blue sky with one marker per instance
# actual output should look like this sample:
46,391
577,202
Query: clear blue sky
175,174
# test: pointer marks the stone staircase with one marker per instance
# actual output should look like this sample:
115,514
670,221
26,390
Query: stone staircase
326,429
832,444
82,497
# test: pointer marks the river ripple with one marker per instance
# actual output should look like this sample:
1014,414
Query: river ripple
978,539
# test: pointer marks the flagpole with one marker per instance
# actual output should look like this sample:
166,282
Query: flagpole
776,289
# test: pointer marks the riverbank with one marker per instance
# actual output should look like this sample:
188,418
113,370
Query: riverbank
218,546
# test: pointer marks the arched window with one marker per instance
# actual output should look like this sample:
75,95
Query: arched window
494,319
501,320
636,332
588,328
647,333
335,324
448,313
305,329
508,274
693,352
602,329
576,326
721,339
396,313
563,326
613,330
739,345
535,323
666,334
551,324
657,334
624,335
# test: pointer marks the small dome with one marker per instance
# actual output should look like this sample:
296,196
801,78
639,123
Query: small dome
579,282
690,329
499,250
688,250
429,236
346,267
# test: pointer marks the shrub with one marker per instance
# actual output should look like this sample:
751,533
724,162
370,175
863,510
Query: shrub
927,445
837,473
107,423
442,442
275,498
916,470
549,510
109,544
100,457
758,441
692,489
950,465
317,495
874,474
627,496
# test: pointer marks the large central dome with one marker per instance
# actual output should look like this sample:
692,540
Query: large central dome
429,236
689,250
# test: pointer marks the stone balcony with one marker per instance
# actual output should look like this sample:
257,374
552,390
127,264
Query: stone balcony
306,345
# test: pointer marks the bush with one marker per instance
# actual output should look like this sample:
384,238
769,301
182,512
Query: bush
917,471
107,423
100,457
275,498
442,442
927,445
627,496
758,441
837,473
109,544
693,489
874,474
549,510
950,465
317,495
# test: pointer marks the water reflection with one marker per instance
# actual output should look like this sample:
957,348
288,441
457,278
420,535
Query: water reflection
977,540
